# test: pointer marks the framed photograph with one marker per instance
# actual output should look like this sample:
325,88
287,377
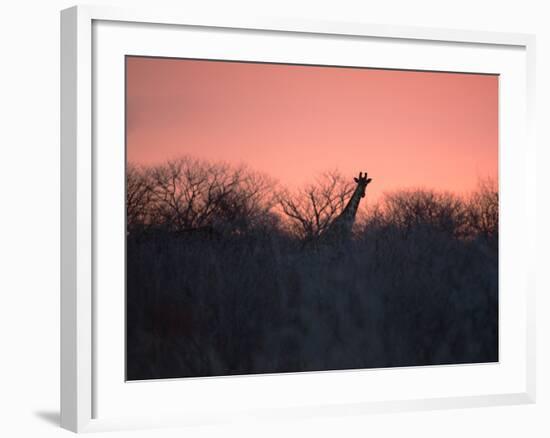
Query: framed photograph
276,218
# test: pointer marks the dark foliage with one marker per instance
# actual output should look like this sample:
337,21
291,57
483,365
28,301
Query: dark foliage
243,290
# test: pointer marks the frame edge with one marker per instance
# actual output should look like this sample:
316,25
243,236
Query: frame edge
75,272
68,358
531,368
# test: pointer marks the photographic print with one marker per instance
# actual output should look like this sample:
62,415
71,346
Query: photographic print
293,218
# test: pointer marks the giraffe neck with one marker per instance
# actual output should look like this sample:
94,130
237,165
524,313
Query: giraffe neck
350,210
343,224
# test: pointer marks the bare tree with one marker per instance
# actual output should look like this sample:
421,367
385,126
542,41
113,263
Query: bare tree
311,209
248,205
138,198
189,194
407,211
410,209
482,209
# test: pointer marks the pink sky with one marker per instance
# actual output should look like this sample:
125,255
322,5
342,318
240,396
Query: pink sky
406,129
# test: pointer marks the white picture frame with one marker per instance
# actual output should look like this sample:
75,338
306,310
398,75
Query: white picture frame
86,375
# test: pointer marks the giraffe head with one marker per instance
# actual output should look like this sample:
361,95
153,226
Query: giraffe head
362,183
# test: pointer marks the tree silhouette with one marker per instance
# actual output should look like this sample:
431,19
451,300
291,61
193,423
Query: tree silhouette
189,194
413,209
482,210
219,280
138,199
311,209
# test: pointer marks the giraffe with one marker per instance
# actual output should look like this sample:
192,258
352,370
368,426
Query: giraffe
340,228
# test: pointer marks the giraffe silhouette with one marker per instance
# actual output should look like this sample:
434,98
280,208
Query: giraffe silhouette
340,229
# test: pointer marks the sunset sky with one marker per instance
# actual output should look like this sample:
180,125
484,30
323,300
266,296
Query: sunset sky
406,129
